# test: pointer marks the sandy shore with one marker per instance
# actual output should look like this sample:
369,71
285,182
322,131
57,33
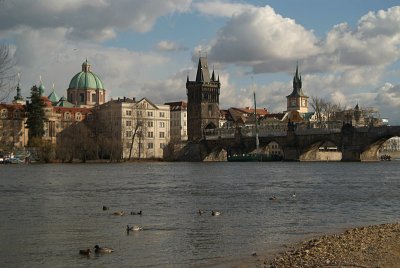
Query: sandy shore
371,246
362,247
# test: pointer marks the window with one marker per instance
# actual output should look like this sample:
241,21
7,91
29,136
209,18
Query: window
67,116
162,114
128,123
78,116
184,123
93,97
17,114
162,145
150,134
149,113
128,112
150,145
4,113
81,97
162,124
162,134
150,123
139,113
129,134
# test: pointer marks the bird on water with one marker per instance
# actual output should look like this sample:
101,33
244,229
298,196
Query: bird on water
215,213
98,249
85,252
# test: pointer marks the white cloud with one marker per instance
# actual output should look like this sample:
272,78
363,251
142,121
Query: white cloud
96,20
262,38
167,45
221,8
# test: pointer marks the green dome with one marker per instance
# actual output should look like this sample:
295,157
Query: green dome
86,79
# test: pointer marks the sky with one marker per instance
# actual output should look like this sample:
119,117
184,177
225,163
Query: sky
348,51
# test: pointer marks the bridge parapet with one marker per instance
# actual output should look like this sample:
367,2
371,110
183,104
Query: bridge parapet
317,131
219,133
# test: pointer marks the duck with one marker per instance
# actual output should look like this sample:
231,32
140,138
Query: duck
294,195
105,208
136,213
119,213
85,252
201,211
273,198
215,213
134,228
98,249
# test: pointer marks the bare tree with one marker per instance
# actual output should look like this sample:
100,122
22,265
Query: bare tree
6,76
325,111
138,128
319,106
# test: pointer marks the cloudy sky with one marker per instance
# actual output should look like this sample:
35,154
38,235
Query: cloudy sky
348,51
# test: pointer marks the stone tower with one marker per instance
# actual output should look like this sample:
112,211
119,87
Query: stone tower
203,101
297,100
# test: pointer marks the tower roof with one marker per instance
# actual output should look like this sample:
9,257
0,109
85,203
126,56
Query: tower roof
64,103
53,97
203,74
86,78
297,85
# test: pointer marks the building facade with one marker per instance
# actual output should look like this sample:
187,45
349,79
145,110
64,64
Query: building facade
178,123
203,101
136,129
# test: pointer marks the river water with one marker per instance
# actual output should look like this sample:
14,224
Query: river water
50,212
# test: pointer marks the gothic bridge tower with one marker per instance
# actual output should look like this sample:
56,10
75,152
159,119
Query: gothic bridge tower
297,100
203,101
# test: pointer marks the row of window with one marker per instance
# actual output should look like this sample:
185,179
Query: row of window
140,113
176,123
150,134
17,114
149,124
150,145
177,115
4,114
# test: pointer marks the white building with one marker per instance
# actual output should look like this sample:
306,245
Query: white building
178,124
134,129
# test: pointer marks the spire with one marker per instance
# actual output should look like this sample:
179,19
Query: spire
18,97
213,75
203,75
297,79
41,86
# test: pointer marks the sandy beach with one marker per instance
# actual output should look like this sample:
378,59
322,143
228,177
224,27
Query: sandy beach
365,247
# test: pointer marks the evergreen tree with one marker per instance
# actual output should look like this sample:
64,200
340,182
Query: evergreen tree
35,120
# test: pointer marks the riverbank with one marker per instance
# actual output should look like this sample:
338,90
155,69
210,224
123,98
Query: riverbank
371,246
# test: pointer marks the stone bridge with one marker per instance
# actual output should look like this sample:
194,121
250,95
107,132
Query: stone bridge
355,144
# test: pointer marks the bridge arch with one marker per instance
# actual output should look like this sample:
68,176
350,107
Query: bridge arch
371,151
322,150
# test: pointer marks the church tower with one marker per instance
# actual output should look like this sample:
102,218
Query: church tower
203,101
297,100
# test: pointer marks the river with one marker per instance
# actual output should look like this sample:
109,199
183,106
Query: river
50,212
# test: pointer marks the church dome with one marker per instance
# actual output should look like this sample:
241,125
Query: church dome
86,79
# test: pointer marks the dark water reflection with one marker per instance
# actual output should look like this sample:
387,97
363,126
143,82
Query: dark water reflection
49,212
